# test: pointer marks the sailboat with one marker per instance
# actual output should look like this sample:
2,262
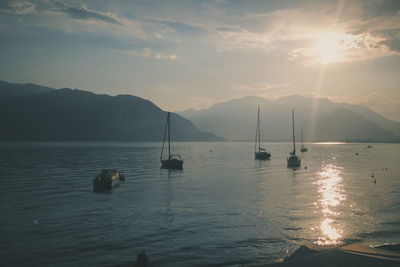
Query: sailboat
173,161
293,161
303,148
259,153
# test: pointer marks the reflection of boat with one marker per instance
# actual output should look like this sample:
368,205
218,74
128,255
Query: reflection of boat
293,161
259,153
303,148
173,161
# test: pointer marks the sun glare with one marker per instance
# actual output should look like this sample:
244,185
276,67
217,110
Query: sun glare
332,195
330,48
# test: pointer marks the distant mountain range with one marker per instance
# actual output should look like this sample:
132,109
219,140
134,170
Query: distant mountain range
320,119
30,112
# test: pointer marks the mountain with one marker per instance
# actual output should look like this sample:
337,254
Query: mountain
10,90
46,114
343,124
236,119
381,121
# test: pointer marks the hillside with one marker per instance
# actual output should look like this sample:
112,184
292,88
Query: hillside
236,119
345,125
10,90
75,115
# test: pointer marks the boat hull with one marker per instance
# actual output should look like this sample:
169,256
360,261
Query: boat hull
293,162
262,155
106,180
174,164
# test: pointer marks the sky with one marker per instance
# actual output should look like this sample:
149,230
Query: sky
194,53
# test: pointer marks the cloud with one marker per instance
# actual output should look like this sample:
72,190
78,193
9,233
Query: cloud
340,47
280,29
379,8
391,38
57,25
19,7
262,87
296,32
182,27
149,53
228,29
242,40
83,13
275,31
119,24
379,19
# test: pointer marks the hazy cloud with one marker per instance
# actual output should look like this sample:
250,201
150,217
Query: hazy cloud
380,8
18,7
349,48
228,29
149,53
83,13
182,27
262,87
391,38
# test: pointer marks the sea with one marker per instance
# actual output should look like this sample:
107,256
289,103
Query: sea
223,209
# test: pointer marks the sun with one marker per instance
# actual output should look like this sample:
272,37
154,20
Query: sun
330,48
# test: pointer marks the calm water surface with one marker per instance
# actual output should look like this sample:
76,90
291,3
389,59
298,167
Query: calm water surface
224,208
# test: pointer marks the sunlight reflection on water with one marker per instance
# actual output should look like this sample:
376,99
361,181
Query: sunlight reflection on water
331,195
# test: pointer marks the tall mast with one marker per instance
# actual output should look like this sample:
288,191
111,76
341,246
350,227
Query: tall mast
294,138
259,128
302,137
165,134
255,140
169,135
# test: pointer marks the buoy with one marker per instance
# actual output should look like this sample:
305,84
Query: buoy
356,153
305,167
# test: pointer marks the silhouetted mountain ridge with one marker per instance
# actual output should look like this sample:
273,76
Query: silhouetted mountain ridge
342,124
236,119
10,90
76,115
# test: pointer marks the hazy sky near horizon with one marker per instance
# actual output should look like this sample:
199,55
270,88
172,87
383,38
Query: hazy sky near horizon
194,53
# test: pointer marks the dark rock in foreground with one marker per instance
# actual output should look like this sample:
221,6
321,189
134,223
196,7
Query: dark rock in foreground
106,180
142,260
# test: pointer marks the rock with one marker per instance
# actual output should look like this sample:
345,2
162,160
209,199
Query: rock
141,260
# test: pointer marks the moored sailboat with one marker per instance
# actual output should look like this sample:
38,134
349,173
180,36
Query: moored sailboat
259,153
173,161
293,161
